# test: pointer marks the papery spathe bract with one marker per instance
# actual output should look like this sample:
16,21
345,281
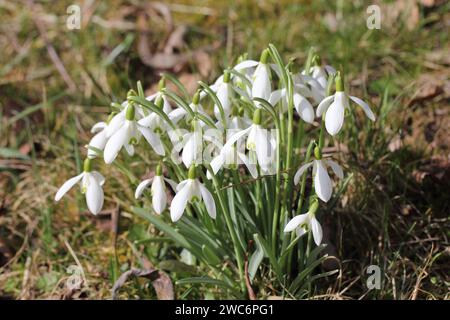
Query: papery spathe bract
91,186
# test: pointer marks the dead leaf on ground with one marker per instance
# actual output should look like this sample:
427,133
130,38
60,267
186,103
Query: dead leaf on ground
160,281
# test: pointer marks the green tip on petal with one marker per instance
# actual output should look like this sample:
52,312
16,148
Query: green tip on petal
264,56
158,170
257,117
87,165
130,113
196,98
162,84
317,153
226,76
339,82
192,172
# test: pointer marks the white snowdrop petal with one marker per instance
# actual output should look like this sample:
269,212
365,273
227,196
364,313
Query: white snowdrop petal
172,183
159,196
250,166
295,222
334,117
365,107
301,171
275,96
337,169
141,187
94,195
129,148
98,141
180,201
153,139
115,124
115,143
322,182
262,147
67,186
316,230
235,137
99,177
245,65
323,105
304,108
208,200
99,126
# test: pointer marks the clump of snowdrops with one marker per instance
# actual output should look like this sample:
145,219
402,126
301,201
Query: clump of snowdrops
236,156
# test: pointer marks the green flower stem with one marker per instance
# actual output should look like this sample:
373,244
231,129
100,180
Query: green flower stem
236,245
303,184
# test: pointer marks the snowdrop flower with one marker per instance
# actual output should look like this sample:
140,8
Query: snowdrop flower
91,186
230,157
261,84
192,145
180,113
258,141
128,134
167,108
223,89
158,189
322,182
98,141
334,107
301,104
305,222
321,73
190,190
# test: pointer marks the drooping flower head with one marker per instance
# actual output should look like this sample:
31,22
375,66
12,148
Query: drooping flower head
91,186
190,190
334,107
322,182
158,190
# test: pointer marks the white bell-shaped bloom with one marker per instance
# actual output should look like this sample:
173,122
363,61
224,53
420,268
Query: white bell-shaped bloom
91,186
322,73
258,141
158,190
129,133
223,88
260,79
99,140
190,190
192,145
334,107
303,107
302,223
322,182
230,157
